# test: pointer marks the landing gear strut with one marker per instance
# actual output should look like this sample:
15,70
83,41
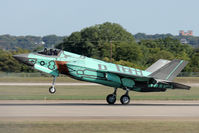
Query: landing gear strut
52,89
111,98
125,99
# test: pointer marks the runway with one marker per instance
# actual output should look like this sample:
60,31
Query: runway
97,109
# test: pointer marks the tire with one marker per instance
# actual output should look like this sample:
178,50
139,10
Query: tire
111,99
125,99
52,90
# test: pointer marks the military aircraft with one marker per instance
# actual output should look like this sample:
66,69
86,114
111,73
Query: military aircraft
157,78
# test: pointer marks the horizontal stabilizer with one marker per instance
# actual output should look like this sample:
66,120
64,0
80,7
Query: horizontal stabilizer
170,70
180,86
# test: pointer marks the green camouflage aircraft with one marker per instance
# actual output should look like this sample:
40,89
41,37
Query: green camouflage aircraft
157,78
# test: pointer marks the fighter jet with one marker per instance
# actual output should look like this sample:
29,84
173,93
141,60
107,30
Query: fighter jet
157,78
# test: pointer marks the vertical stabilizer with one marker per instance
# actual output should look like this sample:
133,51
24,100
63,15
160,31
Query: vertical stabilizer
170,70
157,65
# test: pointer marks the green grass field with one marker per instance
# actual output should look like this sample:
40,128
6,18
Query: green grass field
36,79
187,79
101,126
89,93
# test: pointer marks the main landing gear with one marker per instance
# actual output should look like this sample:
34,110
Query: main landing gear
124,99
52,89
111,98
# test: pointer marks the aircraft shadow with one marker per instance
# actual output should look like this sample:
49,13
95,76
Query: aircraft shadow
92,104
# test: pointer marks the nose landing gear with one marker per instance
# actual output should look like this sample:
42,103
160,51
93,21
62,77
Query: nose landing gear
52,89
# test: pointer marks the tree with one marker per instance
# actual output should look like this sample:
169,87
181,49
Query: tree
129,52
9,64
93,41
98,41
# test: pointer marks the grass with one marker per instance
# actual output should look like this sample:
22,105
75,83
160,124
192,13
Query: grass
101,126
187,79
89,93
36,79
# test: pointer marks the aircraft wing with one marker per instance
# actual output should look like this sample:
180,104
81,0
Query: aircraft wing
166,72
151,80
118,76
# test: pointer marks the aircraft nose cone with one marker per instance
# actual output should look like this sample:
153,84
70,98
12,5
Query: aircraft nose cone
23,58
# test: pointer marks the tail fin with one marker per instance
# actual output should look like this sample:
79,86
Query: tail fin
157,65
170,70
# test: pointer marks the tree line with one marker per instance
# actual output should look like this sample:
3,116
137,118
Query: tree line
192,40
112,43
100,40
8,42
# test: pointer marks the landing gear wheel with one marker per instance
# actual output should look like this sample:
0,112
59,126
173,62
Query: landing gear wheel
125,99
111,99
52,90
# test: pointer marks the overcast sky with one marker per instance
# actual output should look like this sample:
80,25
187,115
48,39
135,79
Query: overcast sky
62,17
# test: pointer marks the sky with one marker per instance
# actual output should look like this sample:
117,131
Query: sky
62,17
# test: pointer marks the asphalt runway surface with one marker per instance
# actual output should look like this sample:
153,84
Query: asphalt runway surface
96,109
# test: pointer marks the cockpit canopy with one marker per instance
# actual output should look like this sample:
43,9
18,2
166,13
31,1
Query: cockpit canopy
53,52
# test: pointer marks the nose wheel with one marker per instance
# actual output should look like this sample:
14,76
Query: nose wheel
52,89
